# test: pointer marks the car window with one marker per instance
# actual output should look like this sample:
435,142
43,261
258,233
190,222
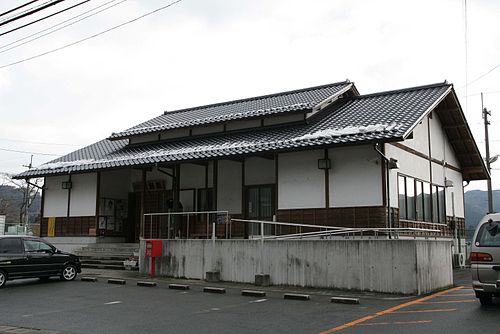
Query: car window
35,246
489,235
11,246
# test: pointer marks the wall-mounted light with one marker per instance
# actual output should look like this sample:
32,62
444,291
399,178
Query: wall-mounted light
393,163
66,185
448,183
324,164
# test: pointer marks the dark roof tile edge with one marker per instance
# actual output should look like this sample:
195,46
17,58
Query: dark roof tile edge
260,97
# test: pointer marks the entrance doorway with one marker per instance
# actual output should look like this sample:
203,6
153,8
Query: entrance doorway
260,206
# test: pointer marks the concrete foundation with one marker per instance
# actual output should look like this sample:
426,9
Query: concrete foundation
392,266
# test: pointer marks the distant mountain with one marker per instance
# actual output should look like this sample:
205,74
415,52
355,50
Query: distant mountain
476,206
11,199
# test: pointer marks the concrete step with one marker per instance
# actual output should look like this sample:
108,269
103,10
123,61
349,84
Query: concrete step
104,255
104,262
106,250
103,266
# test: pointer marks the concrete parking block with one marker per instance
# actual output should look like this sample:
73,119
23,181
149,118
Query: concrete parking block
344,300
296,296
178,286
253,293
210,289
88,279
147,284
117,281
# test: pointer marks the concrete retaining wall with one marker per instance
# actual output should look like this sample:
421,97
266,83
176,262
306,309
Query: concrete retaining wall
392,266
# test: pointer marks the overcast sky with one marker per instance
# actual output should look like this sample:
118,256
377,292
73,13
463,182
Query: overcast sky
199,51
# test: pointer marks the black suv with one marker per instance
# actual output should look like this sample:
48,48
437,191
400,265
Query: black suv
28,257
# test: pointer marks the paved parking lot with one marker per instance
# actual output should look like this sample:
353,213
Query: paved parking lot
83,307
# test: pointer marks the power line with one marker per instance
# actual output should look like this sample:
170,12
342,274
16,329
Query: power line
92,36
480,77
35,142
31,12
67,25
27,152
43,18
19,7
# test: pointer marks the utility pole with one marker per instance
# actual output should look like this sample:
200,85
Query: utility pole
487,113
27,199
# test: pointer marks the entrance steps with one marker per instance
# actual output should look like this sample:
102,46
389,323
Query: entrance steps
107,255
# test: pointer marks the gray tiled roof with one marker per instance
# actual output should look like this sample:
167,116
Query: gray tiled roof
297,100
381,117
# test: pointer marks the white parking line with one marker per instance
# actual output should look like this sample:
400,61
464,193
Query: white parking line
258,301
112,303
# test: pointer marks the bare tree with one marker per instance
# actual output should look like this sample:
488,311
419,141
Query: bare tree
30,190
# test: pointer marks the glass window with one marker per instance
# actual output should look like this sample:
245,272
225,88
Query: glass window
402,197
427,202
410,198
489,235
435,207
206,199
11,246
420,200
442,206
36,246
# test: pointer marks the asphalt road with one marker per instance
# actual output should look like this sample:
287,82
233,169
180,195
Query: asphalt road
83,307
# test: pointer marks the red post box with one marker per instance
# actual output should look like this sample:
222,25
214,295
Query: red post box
154,249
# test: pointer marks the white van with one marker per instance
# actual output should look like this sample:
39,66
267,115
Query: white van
485,259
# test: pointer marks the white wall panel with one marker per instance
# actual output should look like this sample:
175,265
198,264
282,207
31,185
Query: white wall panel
300,183
420,141
355,177
83,195
55,198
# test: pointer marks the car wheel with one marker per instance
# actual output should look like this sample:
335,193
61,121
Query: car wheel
68,273
486,299
3,278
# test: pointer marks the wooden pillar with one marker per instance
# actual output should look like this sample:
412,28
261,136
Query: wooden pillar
97,200
215,180
243,198
42,208
327,181
176,185
276,185
143,195
69,198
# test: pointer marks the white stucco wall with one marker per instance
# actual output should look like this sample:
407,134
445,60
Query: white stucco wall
229,186
259,171
420,141
418,167
55,198
355,177
83,195
300,183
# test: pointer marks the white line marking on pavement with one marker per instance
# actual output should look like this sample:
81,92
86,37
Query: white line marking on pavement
258,301
112,303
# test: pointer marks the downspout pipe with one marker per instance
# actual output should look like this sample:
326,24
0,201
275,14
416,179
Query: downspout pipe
376,147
